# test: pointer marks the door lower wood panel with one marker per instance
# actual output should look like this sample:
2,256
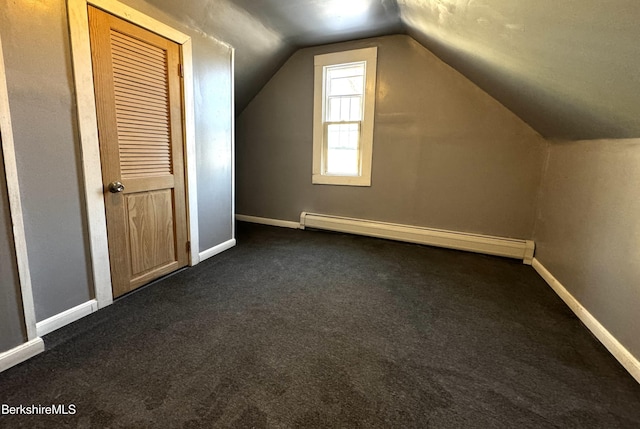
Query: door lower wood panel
139,106
151,234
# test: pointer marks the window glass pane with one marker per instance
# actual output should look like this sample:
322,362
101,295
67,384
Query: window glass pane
355,113
342,149
354,69
346,86
345,79
344,109
333,109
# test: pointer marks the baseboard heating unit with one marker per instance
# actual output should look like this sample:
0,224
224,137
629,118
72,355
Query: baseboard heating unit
499,246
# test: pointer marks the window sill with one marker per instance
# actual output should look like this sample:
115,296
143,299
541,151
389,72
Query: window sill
319,179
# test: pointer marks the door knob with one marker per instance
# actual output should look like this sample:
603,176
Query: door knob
115,187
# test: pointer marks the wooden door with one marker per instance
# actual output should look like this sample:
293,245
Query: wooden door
139,106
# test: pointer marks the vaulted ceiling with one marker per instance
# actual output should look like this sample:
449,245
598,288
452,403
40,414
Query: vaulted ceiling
568,68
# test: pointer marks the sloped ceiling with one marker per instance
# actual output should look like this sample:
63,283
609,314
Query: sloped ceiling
266,32
568,68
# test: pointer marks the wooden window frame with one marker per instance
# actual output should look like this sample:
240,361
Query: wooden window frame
319,176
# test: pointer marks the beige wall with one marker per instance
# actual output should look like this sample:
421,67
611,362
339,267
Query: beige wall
588,230
445,154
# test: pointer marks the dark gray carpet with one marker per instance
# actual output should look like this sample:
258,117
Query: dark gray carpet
322,330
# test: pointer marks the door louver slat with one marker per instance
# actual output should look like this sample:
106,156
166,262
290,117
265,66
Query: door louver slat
129,91
135,63
134,46
133,77
140,85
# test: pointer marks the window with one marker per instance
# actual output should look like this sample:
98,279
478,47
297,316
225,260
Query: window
344,102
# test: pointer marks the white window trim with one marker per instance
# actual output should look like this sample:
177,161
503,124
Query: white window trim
368,55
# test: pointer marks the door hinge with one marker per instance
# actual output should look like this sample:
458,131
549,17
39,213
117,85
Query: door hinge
180,70
188,246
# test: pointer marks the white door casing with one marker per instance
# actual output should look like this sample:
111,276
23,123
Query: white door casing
87,122
15,205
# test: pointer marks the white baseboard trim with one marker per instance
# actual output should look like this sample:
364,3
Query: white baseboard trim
267,221
21,353
508,247
61,319
626,359
217,249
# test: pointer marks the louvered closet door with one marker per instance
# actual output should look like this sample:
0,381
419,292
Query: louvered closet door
139,106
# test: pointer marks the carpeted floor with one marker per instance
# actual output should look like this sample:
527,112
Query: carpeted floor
321,330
